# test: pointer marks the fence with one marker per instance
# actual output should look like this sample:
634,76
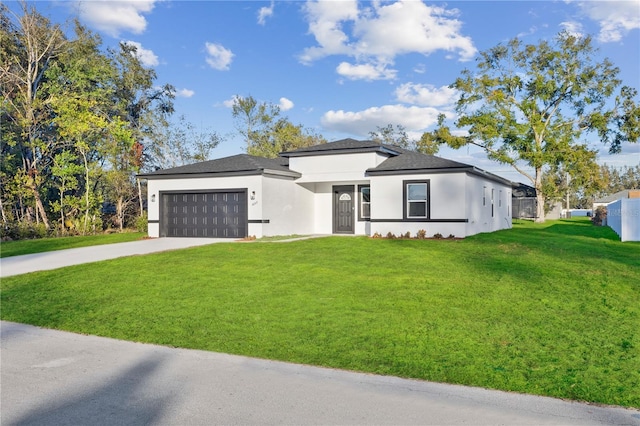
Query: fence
623,216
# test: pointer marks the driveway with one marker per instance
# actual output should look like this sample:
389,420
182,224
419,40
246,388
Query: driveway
15,265
57,378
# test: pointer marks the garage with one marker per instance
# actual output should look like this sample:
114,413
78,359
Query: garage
210,214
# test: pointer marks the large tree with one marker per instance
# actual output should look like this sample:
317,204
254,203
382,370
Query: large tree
29,45
534,106
267,133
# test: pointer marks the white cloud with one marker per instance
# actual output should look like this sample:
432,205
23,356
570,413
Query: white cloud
218,57
377,33
574,28
114,17
185,93
365,71
616,18
360,123
285,104
265,12
426,95
146,56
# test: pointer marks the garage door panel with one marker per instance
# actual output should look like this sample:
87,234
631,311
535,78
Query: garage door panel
209,215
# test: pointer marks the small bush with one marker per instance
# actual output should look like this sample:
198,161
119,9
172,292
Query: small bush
390,235
451,236
23,231
437,236
421,234
407,235
142,222
376,235
600,216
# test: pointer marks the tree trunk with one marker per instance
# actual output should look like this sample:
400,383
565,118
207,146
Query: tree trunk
539,196
40,208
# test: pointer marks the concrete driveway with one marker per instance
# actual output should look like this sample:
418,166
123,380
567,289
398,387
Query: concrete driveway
15,265
57,378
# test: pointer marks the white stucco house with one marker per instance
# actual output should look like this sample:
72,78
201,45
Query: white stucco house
342,187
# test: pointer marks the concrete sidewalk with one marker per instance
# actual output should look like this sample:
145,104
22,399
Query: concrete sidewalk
57,378
15,265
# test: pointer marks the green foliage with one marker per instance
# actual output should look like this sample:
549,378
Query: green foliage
392,136
142,223
71,115
530,309
22,231
599,216
265,132
534,104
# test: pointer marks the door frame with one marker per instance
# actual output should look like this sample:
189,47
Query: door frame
336,190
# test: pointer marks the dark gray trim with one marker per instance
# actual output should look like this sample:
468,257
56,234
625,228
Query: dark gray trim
420,220
258,221
404,200
379,149
266,172
360,218
153,221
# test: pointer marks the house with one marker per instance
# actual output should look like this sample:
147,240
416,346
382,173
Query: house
626,193
525,203
342,187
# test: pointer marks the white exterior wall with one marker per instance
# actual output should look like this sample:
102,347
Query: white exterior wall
250,183
479,205
623,216
283,205
453,196
334,168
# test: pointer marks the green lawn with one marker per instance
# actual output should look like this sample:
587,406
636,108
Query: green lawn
19,247
550,309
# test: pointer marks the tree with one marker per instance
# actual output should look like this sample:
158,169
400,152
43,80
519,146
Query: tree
532,107
265,132
29,45
392,136
179,143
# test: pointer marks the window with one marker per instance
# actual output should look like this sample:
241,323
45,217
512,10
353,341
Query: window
416,195
364,213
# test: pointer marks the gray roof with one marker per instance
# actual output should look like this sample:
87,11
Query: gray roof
415,161
343,146
399,161
236,164
614,197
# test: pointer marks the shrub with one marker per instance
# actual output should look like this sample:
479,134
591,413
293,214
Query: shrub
599,216
23,231
421,234
407,235
390,235
451,236
376,235
142,222
437,236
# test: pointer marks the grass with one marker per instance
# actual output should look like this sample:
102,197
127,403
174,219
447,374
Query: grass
20,247
549,309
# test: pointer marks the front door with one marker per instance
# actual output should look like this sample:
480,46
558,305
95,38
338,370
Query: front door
343,210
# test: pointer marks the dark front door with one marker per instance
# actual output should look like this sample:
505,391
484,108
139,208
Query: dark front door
343,210
208,215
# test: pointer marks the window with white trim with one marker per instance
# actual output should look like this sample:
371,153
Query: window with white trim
416,196
364,212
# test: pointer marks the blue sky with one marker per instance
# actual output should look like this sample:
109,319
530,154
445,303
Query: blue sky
343,67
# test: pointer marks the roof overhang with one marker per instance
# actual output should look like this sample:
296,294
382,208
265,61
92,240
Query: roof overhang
258,172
